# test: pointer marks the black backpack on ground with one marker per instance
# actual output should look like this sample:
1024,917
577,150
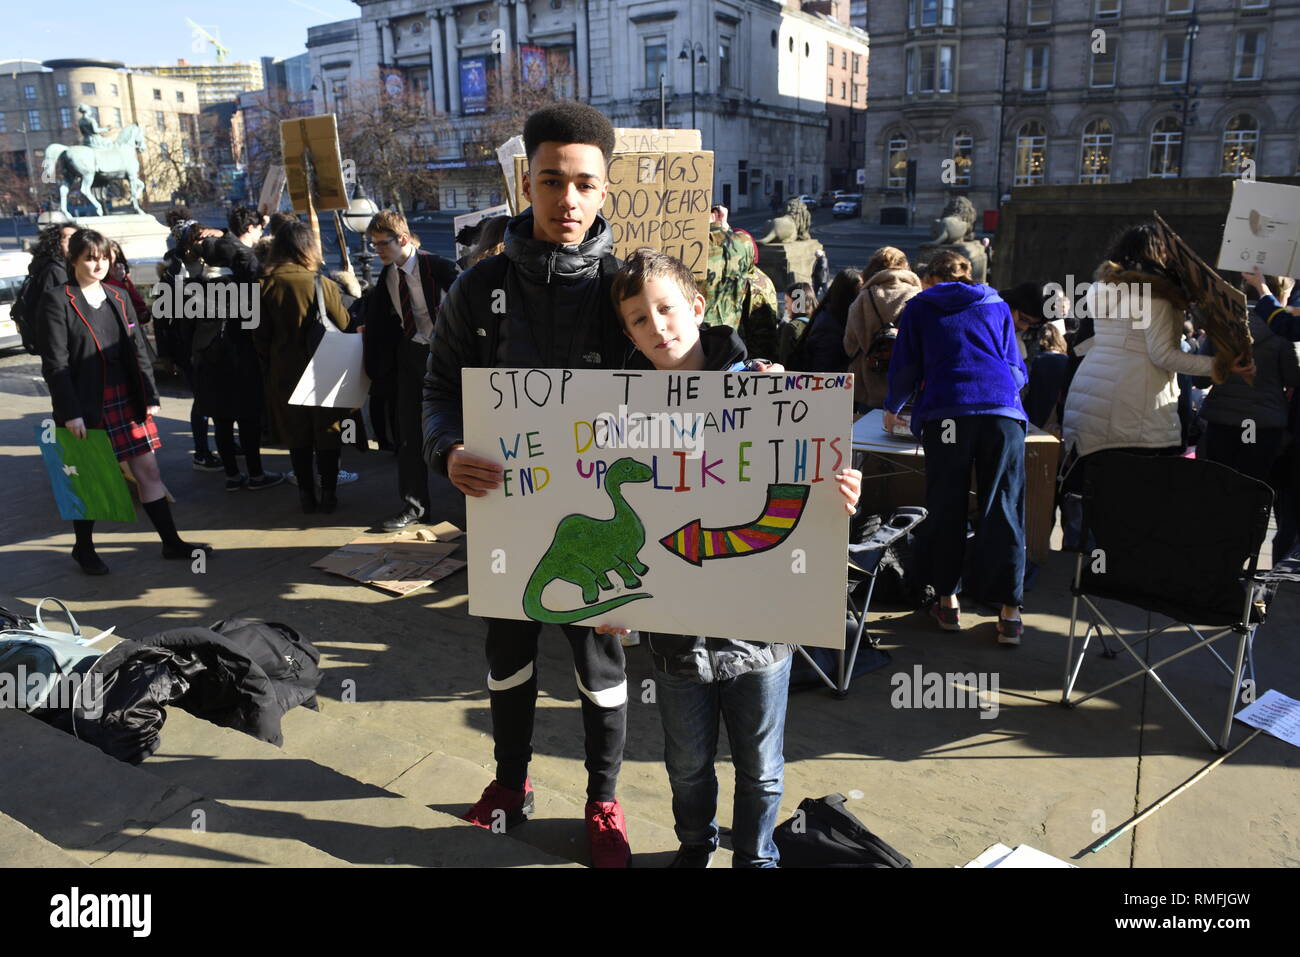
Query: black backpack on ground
823,833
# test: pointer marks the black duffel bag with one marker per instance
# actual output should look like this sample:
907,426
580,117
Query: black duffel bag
823,833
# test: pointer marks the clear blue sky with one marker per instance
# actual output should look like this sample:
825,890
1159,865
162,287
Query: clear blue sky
148,32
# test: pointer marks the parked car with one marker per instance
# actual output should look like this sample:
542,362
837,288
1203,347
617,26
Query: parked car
13,270
843,194
809,200
847,208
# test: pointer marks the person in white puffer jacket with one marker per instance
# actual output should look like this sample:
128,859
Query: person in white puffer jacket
1125,393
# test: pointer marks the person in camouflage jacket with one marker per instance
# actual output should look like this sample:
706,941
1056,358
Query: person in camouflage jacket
738,294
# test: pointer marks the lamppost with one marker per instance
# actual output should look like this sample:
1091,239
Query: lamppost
357,218
319,84
1193,29
694,55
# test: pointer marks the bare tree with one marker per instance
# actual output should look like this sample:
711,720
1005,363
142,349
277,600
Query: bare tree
515,91
15,190
392,140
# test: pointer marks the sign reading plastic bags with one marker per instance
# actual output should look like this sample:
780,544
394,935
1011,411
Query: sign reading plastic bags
681,503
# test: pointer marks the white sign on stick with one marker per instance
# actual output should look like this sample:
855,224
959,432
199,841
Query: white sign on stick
1263,229
682,503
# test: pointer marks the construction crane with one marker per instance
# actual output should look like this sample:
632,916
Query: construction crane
222,51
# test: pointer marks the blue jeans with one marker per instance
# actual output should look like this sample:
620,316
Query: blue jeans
753,706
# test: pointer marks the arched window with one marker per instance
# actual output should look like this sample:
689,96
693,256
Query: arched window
1031,154
1166,160
1094,162
896,162
1240,139
963,152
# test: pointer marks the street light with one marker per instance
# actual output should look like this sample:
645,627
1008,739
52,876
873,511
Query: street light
361,210
1193,29
699,59
317,84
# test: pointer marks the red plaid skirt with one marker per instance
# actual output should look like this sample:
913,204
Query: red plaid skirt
129,437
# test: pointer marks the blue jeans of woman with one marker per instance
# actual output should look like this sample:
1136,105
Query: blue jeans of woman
753,707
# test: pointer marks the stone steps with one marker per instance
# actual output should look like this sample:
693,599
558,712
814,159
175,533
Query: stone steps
20,846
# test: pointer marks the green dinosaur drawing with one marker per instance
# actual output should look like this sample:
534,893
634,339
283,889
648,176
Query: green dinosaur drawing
585,550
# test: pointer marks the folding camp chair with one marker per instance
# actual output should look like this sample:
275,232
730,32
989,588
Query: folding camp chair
1178,538
864,561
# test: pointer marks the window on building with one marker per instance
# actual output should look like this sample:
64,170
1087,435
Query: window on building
1175,7
112,89
180,96
934,69
160,120
1103,65
1240,140
1173,58
1166,149
87,89
65,118
844,90
1106,9
29,92
896,162
157,94
1250,55
1031,154
61,89
1036,58
1254,4
1040,12
857,63
830,56
656,60
1094,162
742,178
830,87
963,152
932,13
33,120
909,69
724,62
830,130
117,118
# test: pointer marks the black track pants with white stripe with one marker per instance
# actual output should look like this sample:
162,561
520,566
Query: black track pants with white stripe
599,666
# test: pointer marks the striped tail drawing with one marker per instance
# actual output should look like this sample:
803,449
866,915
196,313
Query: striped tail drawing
781,513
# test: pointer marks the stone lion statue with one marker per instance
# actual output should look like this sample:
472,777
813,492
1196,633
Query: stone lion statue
956,224
794,224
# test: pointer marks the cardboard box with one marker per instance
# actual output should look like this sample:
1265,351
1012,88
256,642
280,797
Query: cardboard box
399,563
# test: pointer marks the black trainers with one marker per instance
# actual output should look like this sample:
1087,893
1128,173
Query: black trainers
266,480
693,855
207,462
235,482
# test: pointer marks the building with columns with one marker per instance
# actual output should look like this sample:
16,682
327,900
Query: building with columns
1076,92
754,71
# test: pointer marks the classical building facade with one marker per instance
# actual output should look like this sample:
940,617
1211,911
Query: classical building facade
759,69
1075,91
38,106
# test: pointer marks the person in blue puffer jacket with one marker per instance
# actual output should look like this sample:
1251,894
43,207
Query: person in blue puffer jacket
956,356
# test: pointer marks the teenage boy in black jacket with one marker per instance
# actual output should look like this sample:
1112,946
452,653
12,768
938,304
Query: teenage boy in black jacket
543,303
399,319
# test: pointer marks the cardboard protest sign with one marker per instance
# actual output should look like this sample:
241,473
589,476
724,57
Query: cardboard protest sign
268,201
314,138
1220,305
400,563
1263,229
683,503
85,476
659,195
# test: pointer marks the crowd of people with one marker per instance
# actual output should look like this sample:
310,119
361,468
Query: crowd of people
963,366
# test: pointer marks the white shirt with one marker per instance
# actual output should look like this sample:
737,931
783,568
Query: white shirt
95,294
419,308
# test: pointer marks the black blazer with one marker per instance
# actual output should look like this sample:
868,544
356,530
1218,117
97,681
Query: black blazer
73,363
383,322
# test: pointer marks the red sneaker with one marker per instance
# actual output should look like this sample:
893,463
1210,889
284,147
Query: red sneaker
500,804
607,832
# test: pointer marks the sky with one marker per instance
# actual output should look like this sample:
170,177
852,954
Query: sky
146,32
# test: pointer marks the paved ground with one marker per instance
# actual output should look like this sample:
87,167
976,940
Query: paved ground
939,784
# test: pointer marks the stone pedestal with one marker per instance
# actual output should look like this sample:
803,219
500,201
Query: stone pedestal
788,263
140,235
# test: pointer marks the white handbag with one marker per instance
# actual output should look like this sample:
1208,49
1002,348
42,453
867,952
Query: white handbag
335,376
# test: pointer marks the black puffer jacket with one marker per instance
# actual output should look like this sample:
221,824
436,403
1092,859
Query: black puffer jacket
557,315
695,656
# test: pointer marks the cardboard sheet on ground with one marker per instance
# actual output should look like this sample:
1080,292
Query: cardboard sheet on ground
694,503
400,563
1263,229
335,376
85,476
1024,856
1276,714
660,193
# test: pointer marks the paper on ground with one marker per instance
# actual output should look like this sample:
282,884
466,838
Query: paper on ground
1275,713
999,855
400,563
